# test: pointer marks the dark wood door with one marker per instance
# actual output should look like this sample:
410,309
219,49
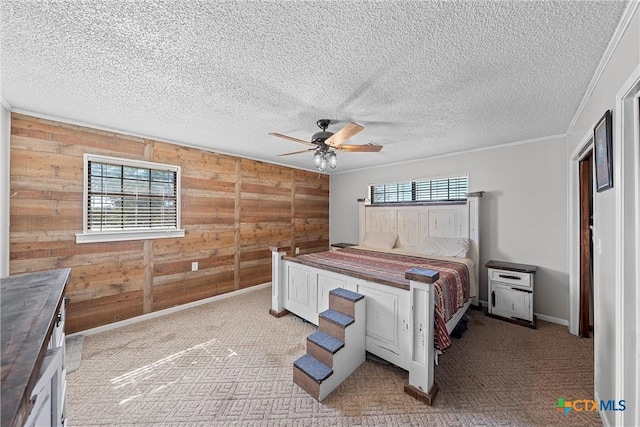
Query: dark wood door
586,242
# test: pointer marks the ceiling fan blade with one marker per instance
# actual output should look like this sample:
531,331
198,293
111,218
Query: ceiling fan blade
290,138
343,134
296,152
368,148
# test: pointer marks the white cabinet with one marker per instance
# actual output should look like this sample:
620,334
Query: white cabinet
50,389
511,292
47,409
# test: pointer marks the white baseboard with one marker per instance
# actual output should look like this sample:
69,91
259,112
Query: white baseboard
551,319
166,311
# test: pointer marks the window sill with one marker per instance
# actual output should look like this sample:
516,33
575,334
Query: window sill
119,236
421,203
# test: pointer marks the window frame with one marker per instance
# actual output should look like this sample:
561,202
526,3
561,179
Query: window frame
414,193
90,236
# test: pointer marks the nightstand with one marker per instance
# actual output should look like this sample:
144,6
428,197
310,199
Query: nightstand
335,246
511,292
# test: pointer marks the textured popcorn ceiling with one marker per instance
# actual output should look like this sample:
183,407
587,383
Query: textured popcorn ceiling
424,78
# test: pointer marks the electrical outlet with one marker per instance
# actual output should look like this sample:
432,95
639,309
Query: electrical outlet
297,251
194,266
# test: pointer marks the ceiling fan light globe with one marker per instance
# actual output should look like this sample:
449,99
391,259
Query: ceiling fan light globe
317,159
323,164
332,159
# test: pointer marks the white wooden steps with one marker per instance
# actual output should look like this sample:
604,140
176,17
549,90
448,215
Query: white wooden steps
337,348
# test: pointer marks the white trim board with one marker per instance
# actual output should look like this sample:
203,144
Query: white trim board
626,169
5,104
5,189
166,311
603,418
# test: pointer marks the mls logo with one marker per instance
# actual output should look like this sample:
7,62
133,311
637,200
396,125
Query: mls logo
563,406
589,405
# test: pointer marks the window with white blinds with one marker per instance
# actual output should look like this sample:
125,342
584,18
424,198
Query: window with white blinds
441,189
392,192
126,200
421,190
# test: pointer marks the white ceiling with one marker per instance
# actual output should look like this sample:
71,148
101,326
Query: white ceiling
423,77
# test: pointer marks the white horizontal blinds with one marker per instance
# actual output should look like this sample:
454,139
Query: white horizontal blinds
421,190
441,189
391,193
123,197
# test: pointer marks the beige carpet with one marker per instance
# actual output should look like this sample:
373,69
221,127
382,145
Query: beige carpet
230,363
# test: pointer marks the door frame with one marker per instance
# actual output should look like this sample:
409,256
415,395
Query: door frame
581,151
626,156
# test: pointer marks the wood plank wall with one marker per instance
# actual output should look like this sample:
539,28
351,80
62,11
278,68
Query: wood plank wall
232,209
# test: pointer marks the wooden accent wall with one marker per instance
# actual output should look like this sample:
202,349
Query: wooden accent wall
232,209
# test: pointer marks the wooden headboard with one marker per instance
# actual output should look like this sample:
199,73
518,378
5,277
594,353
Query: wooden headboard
413,223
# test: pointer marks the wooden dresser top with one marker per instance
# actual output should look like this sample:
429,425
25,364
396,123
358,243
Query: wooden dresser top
30,303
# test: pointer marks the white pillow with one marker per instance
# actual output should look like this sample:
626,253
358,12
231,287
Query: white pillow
445,246
380,239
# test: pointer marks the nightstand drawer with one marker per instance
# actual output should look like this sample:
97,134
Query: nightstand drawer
510,277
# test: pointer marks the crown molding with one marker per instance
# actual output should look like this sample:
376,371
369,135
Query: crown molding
4,103
457,153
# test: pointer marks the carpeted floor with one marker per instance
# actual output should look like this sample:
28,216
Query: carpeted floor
230,363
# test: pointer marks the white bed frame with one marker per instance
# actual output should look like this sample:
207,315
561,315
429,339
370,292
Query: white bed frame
399,322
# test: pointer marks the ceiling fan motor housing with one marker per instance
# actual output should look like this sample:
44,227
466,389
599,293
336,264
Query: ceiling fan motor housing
320,136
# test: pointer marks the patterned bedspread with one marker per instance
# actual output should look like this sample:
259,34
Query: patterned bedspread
452,288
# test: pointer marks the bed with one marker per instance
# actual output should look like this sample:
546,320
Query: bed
417,266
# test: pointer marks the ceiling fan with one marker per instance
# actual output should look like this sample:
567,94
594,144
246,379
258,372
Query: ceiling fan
325,144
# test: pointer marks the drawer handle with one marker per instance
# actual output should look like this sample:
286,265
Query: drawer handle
522,290
507,276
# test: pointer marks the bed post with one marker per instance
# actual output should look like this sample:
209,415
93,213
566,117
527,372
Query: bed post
362,218
277,283
473,203
422,384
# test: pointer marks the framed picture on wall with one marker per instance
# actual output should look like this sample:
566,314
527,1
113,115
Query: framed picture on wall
602,147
